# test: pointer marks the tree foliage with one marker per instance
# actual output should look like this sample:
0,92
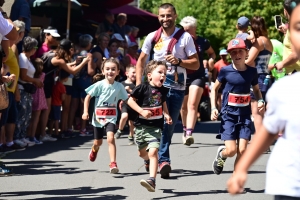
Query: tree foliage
216,19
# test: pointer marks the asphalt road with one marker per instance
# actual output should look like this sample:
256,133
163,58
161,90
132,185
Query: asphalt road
62,170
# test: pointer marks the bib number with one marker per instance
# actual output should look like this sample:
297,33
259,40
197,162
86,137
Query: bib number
156,113
106,112
238,100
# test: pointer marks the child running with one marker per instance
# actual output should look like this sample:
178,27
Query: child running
107,93
235,113
149,101
127,112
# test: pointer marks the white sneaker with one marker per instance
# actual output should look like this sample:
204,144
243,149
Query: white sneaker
47,138
20,143
29,143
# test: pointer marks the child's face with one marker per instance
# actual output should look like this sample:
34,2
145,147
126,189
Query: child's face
158,76
131,74
238,56
110,71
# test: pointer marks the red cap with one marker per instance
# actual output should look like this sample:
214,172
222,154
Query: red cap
236,43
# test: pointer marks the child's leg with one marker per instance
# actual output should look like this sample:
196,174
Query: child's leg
131,128
143,153
241,148
56,124
123,120
111,141
98,138
153,156
230,149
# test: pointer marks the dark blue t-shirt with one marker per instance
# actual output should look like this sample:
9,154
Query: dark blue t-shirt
238,82
203,45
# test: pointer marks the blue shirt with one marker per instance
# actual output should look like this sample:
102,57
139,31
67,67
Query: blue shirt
238,82
21,8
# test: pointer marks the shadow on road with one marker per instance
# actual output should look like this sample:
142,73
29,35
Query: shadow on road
69,193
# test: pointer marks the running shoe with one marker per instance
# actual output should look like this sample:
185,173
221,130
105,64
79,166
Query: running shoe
165,169
47,138
28,142
93,155
119,133
20,143
183,137
147,164
113,168
148,184
84,133
218,162
189,139
5,171
36,141
14,147
131,140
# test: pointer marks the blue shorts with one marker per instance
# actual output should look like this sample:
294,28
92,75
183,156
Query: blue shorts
55,112
235,127
10,114
68,89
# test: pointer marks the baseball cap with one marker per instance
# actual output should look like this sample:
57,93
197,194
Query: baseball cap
66,44
133,44
52,32
223,52
236,43
243,22
117,36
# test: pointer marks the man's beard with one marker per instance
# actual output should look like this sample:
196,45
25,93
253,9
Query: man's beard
170,25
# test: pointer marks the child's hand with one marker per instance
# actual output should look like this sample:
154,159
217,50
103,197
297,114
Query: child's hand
12,77
214,114
168,119
85,116
146,113
261,106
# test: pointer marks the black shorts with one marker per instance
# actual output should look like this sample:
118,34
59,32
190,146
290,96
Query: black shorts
99,132
200,82
127,109
55,113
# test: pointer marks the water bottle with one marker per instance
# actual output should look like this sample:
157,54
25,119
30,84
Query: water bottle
267,80
278,74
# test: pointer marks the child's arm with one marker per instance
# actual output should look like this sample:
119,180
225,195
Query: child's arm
145,113
85,115
213,98
251,35
63,96
258,96
166,114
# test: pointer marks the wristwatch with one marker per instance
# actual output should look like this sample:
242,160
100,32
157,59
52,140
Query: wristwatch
179,62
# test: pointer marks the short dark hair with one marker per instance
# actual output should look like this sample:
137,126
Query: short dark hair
166,6
29,44
289,5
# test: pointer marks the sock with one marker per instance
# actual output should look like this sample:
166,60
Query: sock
152,179
95,148
189,131
147,162
184,128
9,143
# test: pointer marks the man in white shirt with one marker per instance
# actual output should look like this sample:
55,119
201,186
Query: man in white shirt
183,56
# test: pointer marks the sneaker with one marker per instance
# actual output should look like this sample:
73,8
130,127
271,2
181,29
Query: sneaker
147,164
47,138
5,171
119,133
148,184
189,139
29,143
84,133
15,147
5,150
20,143
131,140
219,162
93,155
218,136
113,168
36,141
164,169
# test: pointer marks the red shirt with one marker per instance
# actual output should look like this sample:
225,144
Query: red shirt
218,65
57,92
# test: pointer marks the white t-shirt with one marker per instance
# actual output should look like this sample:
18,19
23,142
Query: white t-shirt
283,169
184,48
24,63
5,26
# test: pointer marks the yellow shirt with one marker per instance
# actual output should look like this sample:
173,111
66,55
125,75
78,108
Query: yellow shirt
287,51
13,68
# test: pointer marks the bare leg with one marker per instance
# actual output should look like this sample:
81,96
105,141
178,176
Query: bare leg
123,120
131,128
153,156
74,103
241,148
44,116
111,146
195,93
258,116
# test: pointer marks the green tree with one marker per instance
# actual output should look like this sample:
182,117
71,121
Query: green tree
216,19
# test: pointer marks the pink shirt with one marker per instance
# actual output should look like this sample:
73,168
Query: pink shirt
40,52
132,60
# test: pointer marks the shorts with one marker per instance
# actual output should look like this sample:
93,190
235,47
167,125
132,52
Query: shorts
127,109
100,132
68,89
200,82
48,90
10,114
147,136
55,112
262,87
235,127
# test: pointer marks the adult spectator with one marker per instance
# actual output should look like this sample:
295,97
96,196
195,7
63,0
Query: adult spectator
128,32
184,56
290,60
50,40
131,56
100,51
134,33
195,82
119,25
275,58
259,56
106,26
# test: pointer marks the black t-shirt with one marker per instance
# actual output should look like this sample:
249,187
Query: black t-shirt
131,85
150,98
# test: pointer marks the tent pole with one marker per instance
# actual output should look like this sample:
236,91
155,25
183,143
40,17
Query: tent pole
68,19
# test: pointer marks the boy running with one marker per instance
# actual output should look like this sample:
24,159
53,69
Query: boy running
235,127
149,101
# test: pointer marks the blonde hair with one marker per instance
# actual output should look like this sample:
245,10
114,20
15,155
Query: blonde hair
188,21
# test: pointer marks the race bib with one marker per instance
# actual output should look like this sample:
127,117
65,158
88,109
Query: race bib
238,100
156,112
106,112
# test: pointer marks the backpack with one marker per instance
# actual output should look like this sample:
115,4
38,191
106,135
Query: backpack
172,43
